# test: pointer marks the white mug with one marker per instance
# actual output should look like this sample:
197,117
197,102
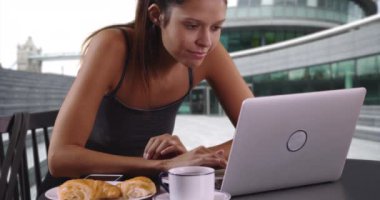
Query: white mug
192,183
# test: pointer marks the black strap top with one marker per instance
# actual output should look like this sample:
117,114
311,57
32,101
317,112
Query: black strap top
121,130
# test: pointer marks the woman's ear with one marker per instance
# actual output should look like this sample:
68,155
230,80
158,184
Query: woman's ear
154,13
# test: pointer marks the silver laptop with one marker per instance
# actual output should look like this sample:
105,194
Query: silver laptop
291,140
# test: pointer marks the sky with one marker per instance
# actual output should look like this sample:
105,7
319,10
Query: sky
57,26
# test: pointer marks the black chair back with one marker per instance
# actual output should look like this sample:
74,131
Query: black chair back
41,125
12,160
39,128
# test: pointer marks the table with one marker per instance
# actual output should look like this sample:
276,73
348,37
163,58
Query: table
360,181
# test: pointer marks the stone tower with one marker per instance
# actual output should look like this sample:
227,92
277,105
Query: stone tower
23,53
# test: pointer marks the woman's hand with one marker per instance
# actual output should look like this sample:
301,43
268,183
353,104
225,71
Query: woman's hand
164,147
200,156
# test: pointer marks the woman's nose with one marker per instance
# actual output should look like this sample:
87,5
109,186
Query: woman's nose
204,39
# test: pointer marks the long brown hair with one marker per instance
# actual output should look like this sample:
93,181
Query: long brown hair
147,40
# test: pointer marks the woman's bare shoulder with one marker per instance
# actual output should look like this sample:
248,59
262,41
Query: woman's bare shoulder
110,39
105,56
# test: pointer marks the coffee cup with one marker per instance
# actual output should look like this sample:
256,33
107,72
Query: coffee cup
191,182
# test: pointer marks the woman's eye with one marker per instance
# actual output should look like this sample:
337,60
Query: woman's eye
216,28
191,26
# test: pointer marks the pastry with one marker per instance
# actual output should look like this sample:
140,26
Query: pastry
87,189
137,187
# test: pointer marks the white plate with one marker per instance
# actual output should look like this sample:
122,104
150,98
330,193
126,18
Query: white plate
52,193
218,196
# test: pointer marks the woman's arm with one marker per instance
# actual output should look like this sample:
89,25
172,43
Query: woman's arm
230,88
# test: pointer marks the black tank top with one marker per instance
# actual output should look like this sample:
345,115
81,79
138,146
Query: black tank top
122,130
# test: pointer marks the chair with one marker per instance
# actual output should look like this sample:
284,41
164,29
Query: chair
12,160
39,126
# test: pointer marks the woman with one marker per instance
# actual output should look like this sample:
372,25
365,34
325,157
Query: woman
119,114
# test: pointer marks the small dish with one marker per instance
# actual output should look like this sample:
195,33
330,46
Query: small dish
218,196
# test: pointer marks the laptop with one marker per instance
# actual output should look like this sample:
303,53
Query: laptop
291,140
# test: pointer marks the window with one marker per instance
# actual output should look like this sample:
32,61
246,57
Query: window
343,69
280,36
255,3
367,66
322,3
320,72
278,76
302,3
261,78
243,3
245,39
343,6
290,35
285,2
297,74
330,4
269,38
256,39
312,3
266,2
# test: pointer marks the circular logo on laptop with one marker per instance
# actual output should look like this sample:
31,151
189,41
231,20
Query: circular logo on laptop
297,140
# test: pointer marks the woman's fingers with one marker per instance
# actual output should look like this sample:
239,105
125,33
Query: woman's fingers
220,152
158,151
171,151
151,148
214,162
200,156
215,159
164,146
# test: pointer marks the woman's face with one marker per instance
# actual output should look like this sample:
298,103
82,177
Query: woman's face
193,30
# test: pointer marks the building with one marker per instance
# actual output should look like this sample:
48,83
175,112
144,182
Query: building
255,23
24,63
333,61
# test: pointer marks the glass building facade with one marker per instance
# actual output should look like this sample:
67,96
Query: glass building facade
250,37
358,72
262,14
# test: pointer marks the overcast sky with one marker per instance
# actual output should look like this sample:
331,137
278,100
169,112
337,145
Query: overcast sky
57,26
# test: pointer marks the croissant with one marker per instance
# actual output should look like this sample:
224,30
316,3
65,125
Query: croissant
87,189
137,187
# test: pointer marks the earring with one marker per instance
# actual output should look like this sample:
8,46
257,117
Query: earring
156,22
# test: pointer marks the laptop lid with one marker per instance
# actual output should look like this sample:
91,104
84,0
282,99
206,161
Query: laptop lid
291,140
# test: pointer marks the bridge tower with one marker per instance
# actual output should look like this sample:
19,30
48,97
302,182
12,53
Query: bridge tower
23,53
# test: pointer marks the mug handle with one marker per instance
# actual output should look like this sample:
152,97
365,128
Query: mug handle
164,185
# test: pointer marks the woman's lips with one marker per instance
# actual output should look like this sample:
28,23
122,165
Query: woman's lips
198,54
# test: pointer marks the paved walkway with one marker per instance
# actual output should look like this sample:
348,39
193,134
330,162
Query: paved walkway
195,130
